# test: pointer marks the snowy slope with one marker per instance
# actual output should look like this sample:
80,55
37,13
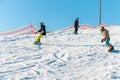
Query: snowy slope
62,56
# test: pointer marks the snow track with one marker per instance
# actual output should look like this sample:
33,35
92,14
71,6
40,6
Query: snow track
61,56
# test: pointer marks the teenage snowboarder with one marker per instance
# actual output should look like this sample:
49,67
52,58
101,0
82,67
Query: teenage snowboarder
106,38
41,33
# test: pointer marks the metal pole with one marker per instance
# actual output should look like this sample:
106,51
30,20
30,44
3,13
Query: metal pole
99,12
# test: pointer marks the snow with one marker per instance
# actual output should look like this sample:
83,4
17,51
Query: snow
61,56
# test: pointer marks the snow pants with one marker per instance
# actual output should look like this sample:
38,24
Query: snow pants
107,41
39,36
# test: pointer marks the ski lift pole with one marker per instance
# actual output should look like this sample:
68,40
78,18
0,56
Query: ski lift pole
100,13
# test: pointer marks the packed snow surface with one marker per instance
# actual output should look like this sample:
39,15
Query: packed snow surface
61,56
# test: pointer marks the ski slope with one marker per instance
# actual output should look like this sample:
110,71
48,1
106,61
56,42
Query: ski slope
61,56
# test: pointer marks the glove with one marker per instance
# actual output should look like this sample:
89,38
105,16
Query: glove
35,32
102,40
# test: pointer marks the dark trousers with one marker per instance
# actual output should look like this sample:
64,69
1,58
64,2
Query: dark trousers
76,29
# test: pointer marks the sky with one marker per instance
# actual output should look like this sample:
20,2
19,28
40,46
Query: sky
56,14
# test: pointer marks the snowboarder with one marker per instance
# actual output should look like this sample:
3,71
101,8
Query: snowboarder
106,38
76,25
41,33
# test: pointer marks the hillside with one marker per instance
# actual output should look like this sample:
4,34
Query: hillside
61,56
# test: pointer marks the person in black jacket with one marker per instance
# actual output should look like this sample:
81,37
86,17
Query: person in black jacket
76,25
42,29
41,33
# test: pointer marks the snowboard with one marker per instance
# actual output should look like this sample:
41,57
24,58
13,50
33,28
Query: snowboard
37,43
110,48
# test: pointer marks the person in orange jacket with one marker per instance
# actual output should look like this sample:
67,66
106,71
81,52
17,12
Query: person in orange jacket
106,38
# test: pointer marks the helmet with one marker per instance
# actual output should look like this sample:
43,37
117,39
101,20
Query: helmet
41,22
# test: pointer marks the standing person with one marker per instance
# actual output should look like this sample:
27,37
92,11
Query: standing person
76,25
106,38
41,32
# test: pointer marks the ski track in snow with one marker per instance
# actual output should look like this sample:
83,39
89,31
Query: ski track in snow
61,56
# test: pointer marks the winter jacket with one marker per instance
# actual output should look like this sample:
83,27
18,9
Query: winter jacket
42,30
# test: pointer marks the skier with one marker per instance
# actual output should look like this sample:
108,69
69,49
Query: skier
41,32
106,38
76,25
